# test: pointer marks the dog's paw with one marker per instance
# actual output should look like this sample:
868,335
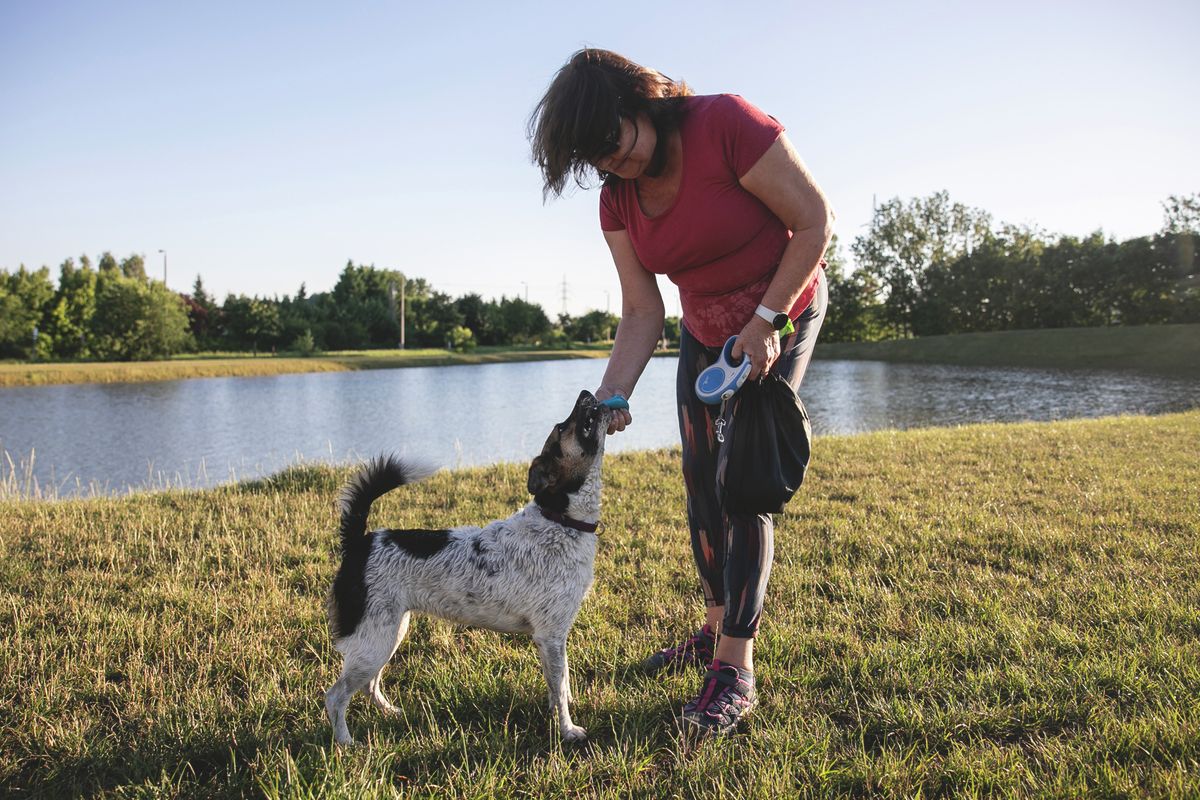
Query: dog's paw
574,733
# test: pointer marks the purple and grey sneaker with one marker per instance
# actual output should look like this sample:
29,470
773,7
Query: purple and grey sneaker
696,650
726,698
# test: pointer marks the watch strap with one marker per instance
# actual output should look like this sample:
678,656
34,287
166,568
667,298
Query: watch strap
770,316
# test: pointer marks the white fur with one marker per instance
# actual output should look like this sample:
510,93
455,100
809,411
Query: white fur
525,574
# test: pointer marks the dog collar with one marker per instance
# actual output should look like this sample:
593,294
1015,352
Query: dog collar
563,519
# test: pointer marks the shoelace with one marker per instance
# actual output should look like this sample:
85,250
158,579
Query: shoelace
720,690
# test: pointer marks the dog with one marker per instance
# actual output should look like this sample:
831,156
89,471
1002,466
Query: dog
525,574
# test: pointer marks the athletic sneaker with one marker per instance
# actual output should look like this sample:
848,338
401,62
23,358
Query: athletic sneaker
727,697
696,650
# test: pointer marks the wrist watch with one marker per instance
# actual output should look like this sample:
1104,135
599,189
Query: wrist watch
777,319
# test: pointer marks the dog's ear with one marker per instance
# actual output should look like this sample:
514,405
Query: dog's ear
543,474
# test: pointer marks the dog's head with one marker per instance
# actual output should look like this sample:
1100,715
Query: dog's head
572,451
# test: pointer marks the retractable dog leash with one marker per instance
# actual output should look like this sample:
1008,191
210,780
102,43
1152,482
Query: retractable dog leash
723,378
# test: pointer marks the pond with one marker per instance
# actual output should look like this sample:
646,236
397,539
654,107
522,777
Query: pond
109,438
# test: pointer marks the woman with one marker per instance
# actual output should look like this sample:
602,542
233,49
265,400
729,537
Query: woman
708,191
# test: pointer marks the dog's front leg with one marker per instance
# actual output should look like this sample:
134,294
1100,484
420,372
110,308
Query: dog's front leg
553,653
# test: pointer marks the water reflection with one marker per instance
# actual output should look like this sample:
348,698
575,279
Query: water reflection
202,432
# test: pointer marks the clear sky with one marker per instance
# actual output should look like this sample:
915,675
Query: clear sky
265,144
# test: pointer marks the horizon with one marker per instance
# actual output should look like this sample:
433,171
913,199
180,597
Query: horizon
264,150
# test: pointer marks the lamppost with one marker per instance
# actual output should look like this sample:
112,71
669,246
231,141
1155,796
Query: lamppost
400,316
164,252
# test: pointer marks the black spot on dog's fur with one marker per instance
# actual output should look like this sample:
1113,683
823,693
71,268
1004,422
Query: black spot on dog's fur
349,596
478,561
557,500
418,543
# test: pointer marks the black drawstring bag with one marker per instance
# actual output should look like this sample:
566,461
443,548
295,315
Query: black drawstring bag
766,447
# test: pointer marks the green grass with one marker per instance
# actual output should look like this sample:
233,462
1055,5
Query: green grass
217,365
1171,349
996,610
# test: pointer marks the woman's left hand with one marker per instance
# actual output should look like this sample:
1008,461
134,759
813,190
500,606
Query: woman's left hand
760,343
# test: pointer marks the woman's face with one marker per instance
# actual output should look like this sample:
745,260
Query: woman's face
635,148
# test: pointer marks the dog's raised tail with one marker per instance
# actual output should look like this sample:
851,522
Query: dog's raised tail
378,477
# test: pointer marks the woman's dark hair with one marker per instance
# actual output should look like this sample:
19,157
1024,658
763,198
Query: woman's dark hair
578,120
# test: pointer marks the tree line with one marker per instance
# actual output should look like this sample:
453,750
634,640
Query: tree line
926,266
115,312
932,266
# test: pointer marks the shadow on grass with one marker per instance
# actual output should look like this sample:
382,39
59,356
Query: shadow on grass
508,726
202,765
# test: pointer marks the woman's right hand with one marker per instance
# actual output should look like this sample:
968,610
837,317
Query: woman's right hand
620,416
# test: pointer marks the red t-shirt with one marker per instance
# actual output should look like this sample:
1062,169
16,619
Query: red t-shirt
717,242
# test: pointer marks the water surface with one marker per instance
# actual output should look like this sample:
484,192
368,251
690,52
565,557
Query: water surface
201,432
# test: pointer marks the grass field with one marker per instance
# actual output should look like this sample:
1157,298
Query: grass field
1171,349
997,610
244,365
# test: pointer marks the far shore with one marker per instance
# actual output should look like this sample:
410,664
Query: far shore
1163,349
244,365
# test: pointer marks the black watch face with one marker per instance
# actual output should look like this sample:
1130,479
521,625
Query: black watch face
780,322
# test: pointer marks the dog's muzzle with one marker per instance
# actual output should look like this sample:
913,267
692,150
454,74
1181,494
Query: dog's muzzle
594,415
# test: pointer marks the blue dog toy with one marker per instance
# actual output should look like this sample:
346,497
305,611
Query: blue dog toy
722,379
616,402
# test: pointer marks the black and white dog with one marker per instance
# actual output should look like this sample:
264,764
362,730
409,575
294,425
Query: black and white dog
525,574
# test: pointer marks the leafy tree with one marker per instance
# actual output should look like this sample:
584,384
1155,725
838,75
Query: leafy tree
593,326
432,320
134,267
477,316
672,329
204,316
69,320
461,339
25,297
906,239
1181,224
251,322
107,263
520,322
853,312
137,320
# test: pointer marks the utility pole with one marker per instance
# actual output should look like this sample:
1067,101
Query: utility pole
392,298
164,252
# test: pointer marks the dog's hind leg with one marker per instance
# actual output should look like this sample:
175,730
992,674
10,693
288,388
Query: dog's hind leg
375,687
367,650
553,653
354,677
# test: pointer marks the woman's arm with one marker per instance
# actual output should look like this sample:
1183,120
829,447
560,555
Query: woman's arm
641,325
781,181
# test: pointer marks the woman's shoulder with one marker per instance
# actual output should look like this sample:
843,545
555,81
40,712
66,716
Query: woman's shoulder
722,106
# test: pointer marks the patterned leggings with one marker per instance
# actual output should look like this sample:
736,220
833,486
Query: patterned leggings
733,551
